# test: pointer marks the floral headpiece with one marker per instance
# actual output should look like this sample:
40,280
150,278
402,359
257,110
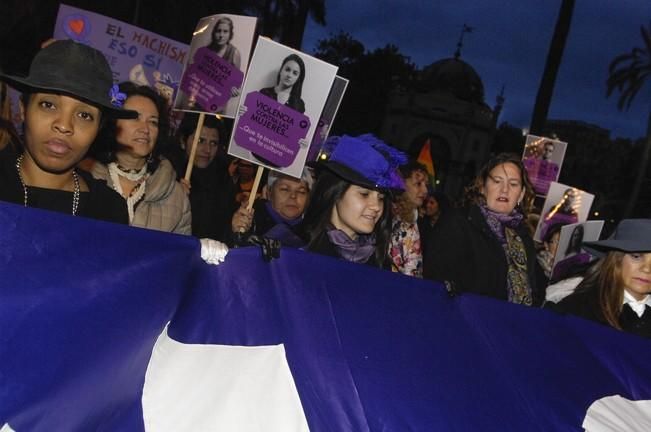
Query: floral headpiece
365,160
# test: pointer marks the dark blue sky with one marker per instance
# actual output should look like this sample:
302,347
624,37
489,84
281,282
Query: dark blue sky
509,46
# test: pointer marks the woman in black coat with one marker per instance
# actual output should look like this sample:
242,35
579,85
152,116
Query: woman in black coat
616,290
486,247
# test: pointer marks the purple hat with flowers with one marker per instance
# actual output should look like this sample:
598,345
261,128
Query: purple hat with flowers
73,69
366,161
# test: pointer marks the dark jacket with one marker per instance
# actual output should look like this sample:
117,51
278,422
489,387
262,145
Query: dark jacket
463,250
585,304
100,202
295,103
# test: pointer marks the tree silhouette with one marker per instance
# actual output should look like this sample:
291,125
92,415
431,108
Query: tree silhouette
627,75
372,75
284,20
552,64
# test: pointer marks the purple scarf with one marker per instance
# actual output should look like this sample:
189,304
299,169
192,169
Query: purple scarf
277,217
498,221
357,251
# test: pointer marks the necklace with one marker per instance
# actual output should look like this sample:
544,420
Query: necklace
75,179
133,174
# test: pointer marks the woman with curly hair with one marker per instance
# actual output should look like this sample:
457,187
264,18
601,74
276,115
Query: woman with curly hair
485,247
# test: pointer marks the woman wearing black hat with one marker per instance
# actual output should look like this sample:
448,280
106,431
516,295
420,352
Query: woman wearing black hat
349,216
616,291
63,104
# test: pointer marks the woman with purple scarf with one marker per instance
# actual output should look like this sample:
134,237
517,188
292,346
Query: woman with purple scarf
485,247
349,216
276,216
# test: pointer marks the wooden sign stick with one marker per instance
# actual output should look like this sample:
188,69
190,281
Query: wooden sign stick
254,189
193,150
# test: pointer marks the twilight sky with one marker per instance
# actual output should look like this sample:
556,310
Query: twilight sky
508,47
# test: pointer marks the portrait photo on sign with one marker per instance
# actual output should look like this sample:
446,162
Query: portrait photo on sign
564,205
282,100
568,240
543,159
214,73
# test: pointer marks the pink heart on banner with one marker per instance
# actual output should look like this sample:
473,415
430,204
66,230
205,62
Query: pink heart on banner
76,26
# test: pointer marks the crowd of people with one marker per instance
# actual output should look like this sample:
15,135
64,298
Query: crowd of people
91,148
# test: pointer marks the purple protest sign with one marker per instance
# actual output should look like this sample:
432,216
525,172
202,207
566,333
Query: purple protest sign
542,173
209,80
542,158
270,130
134,54
327,117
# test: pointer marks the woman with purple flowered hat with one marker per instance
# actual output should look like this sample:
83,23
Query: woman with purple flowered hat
349,216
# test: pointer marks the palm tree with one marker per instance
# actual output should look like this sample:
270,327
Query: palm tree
627,74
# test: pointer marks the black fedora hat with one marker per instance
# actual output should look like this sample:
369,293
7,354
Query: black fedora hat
631,235
73,69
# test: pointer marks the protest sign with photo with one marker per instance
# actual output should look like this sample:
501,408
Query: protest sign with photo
283,97
543,158
327,117
569,255
564,205
219,54
133,54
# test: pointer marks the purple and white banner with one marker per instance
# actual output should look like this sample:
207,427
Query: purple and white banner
107,327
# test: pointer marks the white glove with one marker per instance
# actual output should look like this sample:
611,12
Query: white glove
212,251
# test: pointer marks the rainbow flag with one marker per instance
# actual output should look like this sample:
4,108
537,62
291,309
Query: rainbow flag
425,158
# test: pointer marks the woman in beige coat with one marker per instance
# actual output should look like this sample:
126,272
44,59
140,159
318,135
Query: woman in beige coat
132,164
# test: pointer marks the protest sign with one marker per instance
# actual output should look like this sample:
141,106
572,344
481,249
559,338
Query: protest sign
568,253
284,94
543,158
327,117
564,205
133,54
219,54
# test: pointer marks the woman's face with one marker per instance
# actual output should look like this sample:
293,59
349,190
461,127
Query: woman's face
289,197
138,136
58,130
571,201
503,188
358,210
221,34
207,147
289,73
636,274
552,245
576,238
416,188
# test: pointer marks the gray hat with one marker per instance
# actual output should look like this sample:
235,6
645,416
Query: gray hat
631,235
73,69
